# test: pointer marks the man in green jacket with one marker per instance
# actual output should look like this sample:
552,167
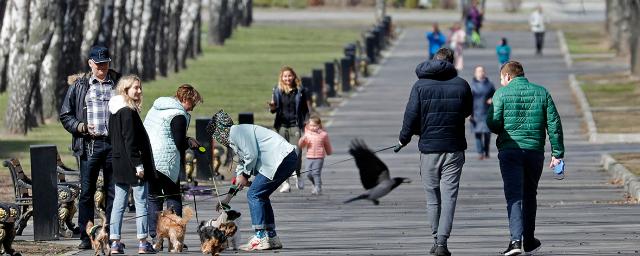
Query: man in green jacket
520,115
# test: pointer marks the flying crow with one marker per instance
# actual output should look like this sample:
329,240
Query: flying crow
374,174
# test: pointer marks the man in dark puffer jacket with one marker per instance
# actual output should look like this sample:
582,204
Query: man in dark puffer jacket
520,115
438,105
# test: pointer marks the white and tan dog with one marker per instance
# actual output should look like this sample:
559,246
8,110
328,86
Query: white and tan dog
227,216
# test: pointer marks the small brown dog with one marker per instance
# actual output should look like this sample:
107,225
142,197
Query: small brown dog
172,227
214,239
99,236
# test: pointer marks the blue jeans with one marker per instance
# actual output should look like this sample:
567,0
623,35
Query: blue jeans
97,156
262,187
120,203
483,140
521,170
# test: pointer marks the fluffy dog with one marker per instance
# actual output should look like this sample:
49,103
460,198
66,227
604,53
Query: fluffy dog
214,240
99,236
226,216
172,227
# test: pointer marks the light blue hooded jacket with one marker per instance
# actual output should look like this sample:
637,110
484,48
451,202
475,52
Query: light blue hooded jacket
260,150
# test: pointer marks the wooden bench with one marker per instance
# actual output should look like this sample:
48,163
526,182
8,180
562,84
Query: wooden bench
67,197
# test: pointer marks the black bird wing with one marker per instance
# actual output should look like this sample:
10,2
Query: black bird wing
372,170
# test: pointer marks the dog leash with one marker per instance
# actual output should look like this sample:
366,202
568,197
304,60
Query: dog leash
223,194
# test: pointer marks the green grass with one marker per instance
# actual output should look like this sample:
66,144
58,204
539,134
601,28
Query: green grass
616,94
587,40
237,77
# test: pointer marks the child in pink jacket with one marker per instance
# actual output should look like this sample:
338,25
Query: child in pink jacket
318,146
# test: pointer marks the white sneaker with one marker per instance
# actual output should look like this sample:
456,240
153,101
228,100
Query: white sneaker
274,242
256,243
314,191
299,183
285,187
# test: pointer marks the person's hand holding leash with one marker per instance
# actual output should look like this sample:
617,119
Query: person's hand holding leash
398,147
241,181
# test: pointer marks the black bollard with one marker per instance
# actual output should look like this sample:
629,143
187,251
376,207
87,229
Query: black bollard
318,85
45,192
377,34
245,118
370,48
204,159
329,78
345,68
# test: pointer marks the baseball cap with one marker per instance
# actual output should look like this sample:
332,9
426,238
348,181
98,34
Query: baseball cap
99,54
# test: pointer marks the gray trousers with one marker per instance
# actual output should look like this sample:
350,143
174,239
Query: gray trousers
292,135
440,174
313,167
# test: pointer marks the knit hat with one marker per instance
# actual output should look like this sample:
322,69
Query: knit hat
219,127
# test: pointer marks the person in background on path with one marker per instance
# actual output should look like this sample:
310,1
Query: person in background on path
482,90
520,115
267,156
166,123
536,21
291,104
316,140
132,162
436,40
503,50
456,43
473,23
438,105
85,114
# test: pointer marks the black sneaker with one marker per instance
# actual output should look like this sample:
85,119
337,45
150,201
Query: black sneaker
515,248
441,250
532,246
433,249
84,245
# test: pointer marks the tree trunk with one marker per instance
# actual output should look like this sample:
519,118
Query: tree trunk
5,46
120,40
172,36
187,22
247,16
136,35
3,7
634,39
197,33
71,42
147,45
50,81
228,19
24,78
217,17
90,27
162,51
106,23
381,10
621,32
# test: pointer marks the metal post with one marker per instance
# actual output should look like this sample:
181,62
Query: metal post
345,68
318,87
204,158
245,118
45,192
329,78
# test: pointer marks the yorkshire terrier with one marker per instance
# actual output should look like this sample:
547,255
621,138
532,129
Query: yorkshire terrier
99,236
214,240
227,215
172,227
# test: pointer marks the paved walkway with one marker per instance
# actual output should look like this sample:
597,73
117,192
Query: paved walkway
582,215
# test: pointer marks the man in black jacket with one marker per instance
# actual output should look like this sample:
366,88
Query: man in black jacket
85,114
438,105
